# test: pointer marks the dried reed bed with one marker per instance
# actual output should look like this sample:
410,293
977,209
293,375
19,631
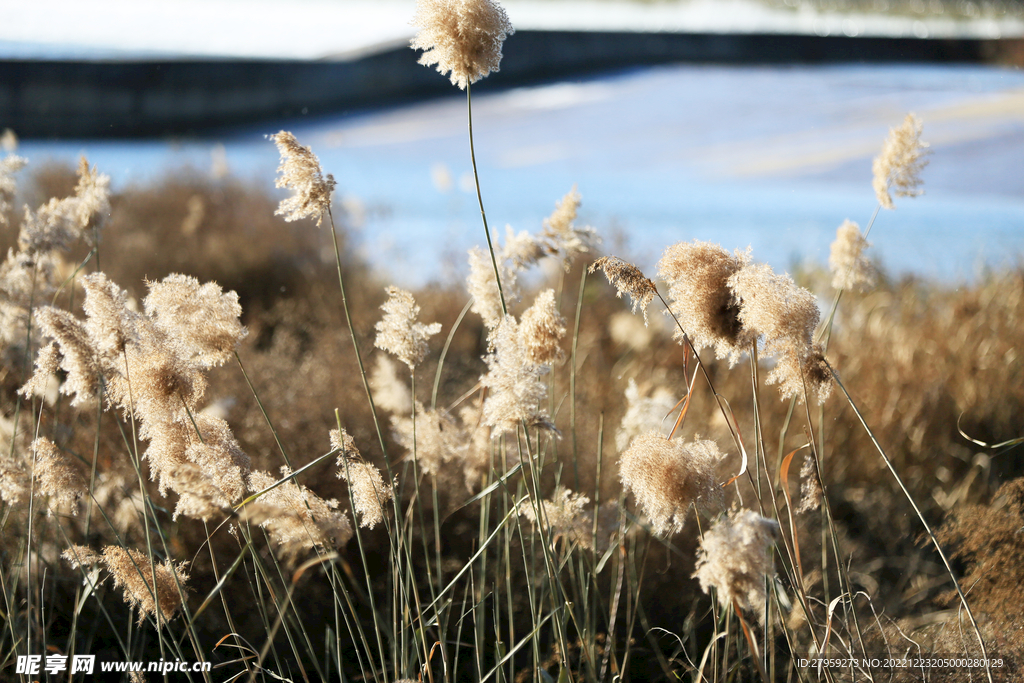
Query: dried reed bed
296,477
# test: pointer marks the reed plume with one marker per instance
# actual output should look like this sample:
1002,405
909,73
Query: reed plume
898,167
399,333
57,473
134,575
390,392
698,275
300,172
463,37
369,492
296,518
668,476
560,235
9,166
627,279
851,268
516,389
735,556
643,413
565,515
543,329
772,306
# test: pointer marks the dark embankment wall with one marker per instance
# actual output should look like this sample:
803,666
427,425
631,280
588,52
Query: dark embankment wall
86,99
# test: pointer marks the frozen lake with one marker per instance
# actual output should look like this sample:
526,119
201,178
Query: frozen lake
774,158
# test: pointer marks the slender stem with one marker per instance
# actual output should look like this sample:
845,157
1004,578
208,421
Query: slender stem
480,199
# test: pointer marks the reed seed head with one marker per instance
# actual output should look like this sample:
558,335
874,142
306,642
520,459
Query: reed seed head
627,279
300,172
9,166
81,556
369,492
8,141
643,414
561,235
78,357
483,287
54,225
296,518
390,392
133,574
516,389
850,266
565,516
463,37
200,320
543,329
398,332
15,483
57,474
898,168
699,296
668,476
735,555
774,307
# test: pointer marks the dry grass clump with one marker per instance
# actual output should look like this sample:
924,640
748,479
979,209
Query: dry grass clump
463,37
510,534
989,540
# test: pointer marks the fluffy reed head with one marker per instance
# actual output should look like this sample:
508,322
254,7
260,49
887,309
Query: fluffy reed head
399,333
735,555
200,320
668,476
698,274
774,307
516,389
543,330
483,288
300,172
78,358
133,574
643,413
58,474
54,225
463,37
9,166
296,518
850,266
565,516
369,492
561,236
390,392
627,279
898,167
14,482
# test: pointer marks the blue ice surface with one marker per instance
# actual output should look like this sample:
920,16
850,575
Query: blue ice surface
774,158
